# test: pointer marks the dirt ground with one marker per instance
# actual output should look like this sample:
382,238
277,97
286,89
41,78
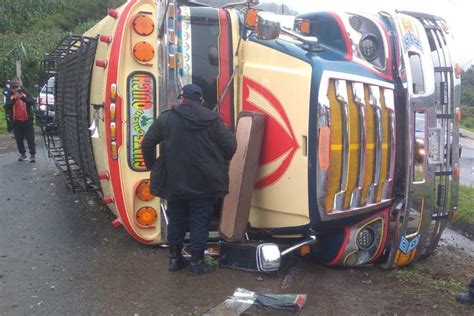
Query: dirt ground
70,260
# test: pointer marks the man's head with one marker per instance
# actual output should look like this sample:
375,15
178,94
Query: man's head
18,92
191,92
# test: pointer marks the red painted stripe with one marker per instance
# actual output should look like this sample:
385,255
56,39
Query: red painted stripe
344,34
343,247
112,76
224,67
389,74
348,233
349,53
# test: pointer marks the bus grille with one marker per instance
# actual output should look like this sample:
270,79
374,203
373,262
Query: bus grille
356,154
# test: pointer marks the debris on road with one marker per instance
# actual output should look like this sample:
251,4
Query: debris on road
248,302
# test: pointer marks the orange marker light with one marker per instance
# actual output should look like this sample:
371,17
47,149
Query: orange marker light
324,147
305,250
171,36
143,51
146,216
171,11
251,18
112,112
113,92
445,26
304,26
458,115
172,61
113,131
454,215
143,25
113,147
458,70
143,191
457,172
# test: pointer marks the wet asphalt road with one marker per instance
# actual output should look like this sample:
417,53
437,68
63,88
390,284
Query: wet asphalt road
59,254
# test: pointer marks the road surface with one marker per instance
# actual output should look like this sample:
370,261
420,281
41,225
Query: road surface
59,254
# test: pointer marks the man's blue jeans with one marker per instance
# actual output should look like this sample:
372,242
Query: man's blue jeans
197,213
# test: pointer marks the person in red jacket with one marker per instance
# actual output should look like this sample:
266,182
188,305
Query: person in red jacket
19,107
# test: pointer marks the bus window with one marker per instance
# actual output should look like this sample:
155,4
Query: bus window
417,74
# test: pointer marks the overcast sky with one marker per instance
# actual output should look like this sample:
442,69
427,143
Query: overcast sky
458,14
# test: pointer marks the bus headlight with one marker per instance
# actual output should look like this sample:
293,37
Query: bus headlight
369,47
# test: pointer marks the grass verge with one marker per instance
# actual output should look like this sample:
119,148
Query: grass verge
466,204
3,122
413,278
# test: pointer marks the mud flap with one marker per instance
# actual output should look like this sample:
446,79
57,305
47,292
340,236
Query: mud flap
242,174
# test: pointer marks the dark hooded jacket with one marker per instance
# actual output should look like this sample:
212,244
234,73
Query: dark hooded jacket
195,147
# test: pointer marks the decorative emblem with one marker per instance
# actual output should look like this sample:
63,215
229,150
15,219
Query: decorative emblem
406,246
410,39
279,142
141,113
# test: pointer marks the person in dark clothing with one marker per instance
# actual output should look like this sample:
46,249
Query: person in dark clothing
467,298
19,108
191,172
6,96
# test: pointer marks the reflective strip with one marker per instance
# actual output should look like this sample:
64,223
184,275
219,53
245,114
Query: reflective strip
374,99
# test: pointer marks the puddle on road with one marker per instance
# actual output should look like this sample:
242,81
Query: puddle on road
452,238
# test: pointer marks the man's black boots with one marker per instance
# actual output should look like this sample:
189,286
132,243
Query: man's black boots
198,265
176,261
467,298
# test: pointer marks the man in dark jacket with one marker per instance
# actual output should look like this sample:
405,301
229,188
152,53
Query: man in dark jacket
19,108
190,173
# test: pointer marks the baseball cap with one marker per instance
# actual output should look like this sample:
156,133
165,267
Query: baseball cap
191,92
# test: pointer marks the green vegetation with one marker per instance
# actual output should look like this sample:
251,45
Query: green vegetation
30,28
412,278
467,121
467,99
466,202
3,122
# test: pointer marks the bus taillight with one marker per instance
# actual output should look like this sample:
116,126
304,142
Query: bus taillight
143,191
146,217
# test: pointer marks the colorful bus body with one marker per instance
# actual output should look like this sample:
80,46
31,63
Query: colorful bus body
342,165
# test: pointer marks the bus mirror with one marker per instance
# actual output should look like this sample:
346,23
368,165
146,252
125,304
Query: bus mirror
268,27
268,257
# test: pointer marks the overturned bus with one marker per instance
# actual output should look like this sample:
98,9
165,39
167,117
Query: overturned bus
343,171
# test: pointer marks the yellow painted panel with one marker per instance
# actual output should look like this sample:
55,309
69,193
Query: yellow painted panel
354,145
284,203
385,145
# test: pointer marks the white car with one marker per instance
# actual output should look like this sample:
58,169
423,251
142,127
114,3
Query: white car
45,101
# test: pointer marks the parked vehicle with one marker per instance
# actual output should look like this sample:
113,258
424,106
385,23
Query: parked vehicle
45,102
340,93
